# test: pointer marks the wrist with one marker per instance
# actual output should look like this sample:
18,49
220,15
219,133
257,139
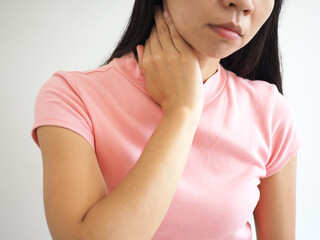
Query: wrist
185,113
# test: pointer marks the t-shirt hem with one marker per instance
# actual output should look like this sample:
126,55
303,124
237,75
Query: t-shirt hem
293,151
87,135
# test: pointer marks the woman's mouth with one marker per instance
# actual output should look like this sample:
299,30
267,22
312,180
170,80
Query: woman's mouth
227,33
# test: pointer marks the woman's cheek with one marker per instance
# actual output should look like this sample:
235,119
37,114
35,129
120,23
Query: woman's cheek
264,14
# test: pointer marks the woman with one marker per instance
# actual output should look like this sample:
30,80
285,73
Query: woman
174,137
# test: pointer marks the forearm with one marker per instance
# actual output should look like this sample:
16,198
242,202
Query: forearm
136,208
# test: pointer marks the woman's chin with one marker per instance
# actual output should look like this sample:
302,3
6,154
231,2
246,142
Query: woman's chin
217,53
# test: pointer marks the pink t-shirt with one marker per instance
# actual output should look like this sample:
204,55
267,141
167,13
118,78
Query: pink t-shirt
247,132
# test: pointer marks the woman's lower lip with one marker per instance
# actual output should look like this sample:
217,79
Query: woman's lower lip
225,33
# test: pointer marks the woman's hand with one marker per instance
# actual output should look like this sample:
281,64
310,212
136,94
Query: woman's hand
171,69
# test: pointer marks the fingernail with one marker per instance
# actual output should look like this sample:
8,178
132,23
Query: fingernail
166,14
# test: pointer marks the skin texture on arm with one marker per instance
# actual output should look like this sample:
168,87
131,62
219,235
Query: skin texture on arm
275,213
72,180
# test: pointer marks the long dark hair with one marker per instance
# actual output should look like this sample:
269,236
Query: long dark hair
258,60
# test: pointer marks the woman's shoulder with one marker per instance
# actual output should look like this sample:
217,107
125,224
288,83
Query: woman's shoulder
78,78
244,86
88,73
124,65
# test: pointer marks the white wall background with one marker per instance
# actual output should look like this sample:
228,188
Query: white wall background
39,37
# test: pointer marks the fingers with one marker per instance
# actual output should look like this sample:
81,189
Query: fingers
164,36
148,46
177,39
163,31
146,56
155,44
168,34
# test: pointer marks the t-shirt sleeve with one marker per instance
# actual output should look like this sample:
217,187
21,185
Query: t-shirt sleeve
285,137
59,104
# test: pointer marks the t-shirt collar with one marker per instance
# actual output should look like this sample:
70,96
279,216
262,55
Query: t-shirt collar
128,66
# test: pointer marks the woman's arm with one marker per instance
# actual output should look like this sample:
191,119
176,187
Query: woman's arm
136,208
76,203
275,213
